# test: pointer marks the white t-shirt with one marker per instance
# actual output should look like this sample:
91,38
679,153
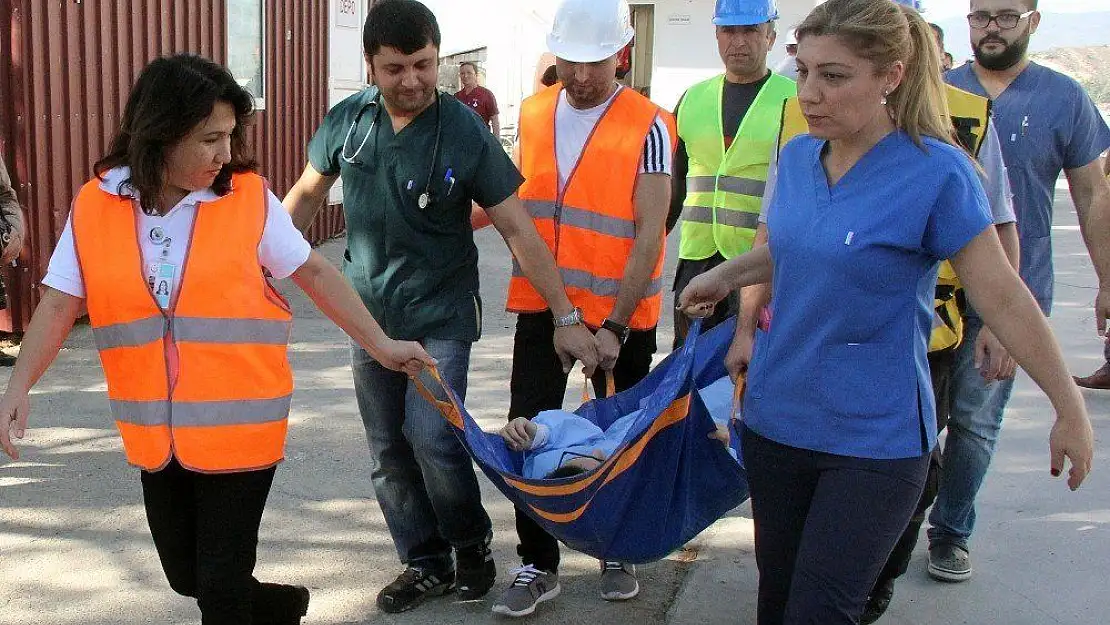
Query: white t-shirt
574,126
282,250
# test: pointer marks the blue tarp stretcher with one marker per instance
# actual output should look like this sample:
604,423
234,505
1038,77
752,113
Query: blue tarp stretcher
665,484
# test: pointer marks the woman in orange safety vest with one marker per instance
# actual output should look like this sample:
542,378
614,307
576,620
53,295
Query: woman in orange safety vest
169,247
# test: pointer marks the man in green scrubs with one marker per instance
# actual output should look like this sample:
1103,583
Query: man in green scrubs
412,161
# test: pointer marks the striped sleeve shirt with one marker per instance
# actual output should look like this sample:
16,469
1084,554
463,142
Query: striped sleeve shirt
658,158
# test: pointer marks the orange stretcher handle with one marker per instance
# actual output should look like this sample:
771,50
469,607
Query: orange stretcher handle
610,386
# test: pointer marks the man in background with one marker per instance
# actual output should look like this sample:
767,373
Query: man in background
478,97
1100,379
1048,125
11,237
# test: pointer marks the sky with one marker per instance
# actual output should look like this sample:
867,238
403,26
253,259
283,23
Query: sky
942,9
458,17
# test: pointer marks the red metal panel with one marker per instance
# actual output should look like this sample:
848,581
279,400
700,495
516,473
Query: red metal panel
65,72
296,99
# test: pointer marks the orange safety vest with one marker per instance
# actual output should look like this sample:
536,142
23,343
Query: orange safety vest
590,227
227,331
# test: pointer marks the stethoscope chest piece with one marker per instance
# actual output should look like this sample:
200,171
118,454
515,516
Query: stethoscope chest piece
423,200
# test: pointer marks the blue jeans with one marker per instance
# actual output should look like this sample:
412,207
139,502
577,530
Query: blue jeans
973,426
422,475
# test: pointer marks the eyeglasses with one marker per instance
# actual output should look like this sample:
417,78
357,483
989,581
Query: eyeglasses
1005,21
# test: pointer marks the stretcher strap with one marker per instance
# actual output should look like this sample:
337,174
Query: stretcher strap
446,407
610,386
738,398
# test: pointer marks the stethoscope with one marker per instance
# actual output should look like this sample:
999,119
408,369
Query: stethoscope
425,198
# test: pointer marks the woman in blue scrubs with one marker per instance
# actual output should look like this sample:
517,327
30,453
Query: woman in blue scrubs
839,409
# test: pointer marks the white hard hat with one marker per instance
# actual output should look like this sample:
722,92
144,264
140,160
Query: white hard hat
587,31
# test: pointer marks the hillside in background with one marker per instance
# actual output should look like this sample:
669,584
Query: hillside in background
1089,65
1057,30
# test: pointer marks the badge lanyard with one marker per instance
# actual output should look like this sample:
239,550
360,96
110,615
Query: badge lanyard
161,273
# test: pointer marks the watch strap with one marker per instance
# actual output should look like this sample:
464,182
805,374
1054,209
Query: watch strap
620,330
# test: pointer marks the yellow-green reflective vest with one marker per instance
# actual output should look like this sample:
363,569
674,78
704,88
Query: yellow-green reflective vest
970,116
724,188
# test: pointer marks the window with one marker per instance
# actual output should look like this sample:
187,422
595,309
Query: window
246,45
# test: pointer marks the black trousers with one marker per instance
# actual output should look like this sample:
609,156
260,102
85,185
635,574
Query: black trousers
538,383
688,270
940,366
824,527
205,528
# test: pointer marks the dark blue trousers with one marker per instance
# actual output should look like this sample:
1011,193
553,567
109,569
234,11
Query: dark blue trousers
824,527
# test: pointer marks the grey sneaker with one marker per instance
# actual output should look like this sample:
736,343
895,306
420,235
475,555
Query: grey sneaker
618,581
530,587
949,563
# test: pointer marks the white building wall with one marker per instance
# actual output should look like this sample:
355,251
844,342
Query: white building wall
686,49
346,66
514,35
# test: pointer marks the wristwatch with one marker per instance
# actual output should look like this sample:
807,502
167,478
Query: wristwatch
572,318
622,331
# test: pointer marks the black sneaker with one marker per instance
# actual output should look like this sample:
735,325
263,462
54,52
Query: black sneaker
877,602
475,572
412,588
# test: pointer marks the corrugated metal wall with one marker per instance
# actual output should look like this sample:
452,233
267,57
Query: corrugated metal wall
296,98
64,80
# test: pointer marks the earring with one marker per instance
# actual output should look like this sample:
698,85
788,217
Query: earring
883,100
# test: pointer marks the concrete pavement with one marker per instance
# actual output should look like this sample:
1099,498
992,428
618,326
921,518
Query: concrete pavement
74,547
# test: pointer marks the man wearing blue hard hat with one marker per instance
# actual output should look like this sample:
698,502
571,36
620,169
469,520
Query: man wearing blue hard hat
727,126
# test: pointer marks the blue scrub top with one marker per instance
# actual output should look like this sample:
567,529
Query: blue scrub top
843,368
1047,123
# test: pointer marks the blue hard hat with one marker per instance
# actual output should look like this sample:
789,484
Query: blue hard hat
744,12
913,4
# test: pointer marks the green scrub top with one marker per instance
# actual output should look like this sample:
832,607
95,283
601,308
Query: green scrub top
415,268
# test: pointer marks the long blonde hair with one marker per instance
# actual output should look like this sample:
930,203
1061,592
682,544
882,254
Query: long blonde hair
884,33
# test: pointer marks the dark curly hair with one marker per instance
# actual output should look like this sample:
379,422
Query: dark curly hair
171,96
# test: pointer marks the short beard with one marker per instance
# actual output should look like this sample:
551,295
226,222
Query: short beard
1009,57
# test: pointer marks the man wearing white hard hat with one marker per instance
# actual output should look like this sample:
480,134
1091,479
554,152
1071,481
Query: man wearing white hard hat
597,160
789,66
727,129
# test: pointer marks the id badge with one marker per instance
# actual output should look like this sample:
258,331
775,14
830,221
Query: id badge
160,277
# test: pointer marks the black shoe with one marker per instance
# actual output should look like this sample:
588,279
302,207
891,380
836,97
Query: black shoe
412,588
475,572
877,602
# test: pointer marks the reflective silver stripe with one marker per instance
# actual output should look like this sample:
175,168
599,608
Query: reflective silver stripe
742,186
539,209
603,287
701,184
130,334
146,413
725,217
728,184
202,413
210,330
738,219
242,412
697,214
604,224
